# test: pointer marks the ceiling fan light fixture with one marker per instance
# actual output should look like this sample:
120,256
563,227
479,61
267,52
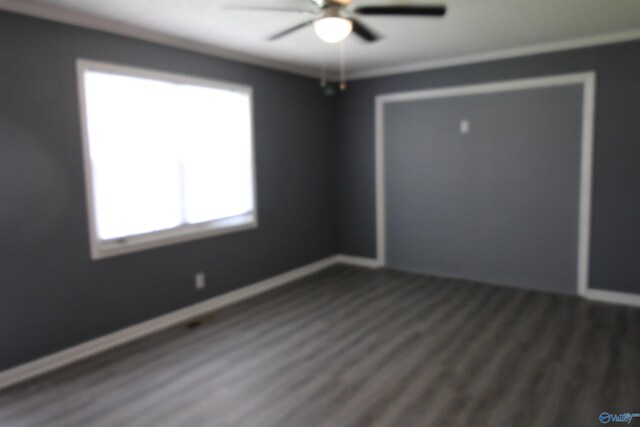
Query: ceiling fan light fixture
332,29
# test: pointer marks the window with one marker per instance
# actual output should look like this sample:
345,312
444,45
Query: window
168,158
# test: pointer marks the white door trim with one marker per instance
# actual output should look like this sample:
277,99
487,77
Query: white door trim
586,79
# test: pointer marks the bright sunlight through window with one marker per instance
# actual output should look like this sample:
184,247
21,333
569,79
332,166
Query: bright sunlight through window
168,158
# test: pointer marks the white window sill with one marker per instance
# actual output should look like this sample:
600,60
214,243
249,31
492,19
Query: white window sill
157,239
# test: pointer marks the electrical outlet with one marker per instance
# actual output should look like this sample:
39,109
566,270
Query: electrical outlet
464,126
200,280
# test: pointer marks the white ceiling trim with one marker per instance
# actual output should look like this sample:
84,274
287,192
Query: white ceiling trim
501,54
79,19
71,17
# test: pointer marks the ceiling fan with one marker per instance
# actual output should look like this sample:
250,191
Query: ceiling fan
334,21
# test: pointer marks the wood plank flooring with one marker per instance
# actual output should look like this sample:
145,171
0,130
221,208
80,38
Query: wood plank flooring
351,347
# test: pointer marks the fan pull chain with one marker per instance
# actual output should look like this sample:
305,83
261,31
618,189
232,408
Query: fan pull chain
323,75
343,83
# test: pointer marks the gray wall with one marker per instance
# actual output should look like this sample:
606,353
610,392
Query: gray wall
315,184
498,204
615,231
51,294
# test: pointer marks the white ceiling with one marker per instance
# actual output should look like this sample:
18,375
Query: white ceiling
471,30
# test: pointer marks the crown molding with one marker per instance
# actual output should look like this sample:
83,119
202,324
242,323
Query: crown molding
79,19
500,54
84,20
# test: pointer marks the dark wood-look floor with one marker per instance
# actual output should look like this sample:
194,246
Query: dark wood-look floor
350,347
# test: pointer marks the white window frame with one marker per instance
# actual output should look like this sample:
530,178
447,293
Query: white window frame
183,233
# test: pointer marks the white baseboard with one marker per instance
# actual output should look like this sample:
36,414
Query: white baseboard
358,261
612,297
90,348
